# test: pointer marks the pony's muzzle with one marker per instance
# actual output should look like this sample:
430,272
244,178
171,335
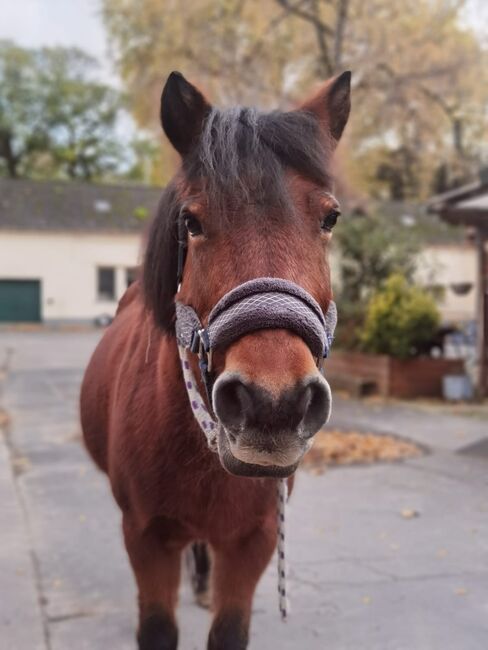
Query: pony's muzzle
265,429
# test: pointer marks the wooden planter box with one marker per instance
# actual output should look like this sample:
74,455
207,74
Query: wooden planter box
389,377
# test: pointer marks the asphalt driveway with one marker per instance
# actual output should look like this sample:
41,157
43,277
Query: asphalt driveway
362,575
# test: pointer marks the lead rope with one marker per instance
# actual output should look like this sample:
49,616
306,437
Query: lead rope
282,568
210,429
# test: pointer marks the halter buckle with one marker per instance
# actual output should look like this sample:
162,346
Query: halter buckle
200,345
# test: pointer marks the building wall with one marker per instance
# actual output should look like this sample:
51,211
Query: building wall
444,265
66,264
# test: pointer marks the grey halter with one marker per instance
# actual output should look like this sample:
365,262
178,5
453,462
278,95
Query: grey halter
262,303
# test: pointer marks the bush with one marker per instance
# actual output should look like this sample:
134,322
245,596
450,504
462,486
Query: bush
371,248
399,317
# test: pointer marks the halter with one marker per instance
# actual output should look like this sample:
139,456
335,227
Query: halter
262,303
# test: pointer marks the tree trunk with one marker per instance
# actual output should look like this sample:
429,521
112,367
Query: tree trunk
6,152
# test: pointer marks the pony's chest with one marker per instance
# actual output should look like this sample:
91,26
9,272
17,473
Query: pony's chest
212,505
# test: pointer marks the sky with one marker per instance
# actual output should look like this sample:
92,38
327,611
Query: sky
32,23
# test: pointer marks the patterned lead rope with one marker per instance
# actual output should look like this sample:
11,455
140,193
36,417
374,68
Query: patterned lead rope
210,430
282,568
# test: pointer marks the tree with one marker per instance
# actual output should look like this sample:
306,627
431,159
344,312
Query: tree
420,73
22,130
370,249
55,120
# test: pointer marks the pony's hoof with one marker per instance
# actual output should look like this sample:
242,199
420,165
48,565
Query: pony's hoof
157,632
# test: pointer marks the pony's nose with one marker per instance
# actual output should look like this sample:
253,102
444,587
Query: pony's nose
242,406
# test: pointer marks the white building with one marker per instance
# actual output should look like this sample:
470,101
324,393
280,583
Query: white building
451,267
69,250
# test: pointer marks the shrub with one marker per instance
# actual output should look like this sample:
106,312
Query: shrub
399,317
371,249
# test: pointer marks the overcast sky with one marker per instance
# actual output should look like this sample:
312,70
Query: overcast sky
32,23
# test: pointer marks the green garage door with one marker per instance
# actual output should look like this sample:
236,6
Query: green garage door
20,301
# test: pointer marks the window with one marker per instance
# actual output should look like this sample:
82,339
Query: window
131,276
106,283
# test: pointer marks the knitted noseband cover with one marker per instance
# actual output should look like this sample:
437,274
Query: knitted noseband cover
262,303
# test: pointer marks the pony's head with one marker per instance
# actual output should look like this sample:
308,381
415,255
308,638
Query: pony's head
254,197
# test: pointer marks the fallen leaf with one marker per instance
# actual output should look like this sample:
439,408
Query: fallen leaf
408,513
333,447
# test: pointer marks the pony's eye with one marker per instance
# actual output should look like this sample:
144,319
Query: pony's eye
193,226
330,220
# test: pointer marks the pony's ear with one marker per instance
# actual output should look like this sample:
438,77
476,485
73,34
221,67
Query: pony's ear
331,105
160,266
183,110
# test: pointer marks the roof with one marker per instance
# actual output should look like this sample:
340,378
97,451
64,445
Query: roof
54,206
467,205
476,203
75,206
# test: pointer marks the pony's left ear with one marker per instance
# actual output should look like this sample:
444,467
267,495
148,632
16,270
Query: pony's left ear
183,110
331,105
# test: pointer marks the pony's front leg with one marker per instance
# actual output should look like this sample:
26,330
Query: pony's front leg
155,557
237,567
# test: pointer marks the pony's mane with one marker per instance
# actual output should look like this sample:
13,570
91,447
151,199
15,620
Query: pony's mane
240,159
242,154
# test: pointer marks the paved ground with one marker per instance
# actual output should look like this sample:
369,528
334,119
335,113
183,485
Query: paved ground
363,576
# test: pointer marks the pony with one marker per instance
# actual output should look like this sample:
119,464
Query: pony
252,198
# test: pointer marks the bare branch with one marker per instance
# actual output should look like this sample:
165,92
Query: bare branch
312,18
342,14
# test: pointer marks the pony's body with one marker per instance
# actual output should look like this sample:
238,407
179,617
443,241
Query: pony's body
252,199
170,487
141,428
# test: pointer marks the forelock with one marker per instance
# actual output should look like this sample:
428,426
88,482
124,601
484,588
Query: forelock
242,155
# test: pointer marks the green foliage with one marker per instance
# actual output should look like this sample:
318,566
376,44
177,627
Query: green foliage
400,316
371,249
141,213
54,119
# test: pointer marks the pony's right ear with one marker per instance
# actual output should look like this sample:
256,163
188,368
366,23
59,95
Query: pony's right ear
183,110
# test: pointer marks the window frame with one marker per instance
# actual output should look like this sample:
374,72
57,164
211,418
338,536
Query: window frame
102,294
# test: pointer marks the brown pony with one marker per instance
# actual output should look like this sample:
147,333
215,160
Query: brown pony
254,195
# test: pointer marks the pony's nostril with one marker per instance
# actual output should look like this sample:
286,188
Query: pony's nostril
304,409
317,411
303,401
232,402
